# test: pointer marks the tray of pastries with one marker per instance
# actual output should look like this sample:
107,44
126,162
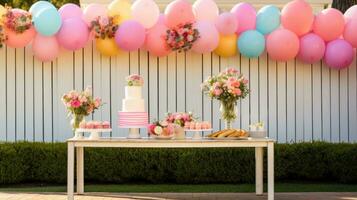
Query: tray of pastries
229,134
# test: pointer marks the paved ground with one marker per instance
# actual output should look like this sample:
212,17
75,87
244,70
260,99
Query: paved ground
180,196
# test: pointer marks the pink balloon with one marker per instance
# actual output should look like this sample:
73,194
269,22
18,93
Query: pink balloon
155,40
93,11
339,54
209,37
312,48
282,45
350,33
329,24
206,10
351,13
297,16
74,34
70,10
45,48
179,12
146,12
19,40
227,23
246,16
130,36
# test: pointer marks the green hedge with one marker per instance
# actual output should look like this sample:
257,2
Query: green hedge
26,4
46,163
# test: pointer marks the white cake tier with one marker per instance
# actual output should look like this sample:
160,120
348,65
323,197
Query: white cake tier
133,105
133,92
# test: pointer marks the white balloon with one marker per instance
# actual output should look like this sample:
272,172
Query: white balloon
145,12
205,10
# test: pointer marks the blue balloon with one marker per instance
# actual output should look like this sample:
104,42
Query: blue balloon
268,19
39,5
47,22
251,43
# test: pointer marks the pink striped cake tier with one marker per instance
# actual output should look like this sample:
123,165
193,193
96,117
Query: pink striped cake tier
132,119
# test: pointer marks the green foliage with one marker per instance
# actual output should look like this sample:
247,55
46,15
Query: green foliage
26,4
343,5
46,163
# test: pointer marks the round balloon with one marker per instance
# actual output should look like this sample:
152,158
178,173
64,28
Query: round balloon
93,11
282,45
39,5
45,48
205,10
146,12
19,40
298,17
179,12
351,13
107,46
350,32
268,19
47,22
120,10
155,40
251,43
209,37
70,10
339,54
130,36
246,16
227,23
329,24
227,45
312,48
73,34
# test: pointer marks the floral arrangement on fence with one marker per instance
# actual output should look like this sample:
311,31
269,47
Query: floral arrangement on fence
3,37
179,118
135,80
161,128
182,37
18,22
228,87
104,27
80,104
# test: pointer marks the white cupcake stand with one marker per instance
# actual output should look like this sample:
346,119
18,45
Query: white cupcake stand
197,133
95,134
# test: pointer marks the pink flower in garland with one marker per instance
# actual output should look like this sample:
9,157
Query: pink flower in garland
182,37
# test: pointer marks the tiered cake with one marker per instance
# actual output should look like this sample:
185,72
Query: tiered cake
133,113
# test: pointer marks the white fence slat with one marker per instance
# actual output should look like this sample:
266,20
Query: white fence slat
263,88
144,72
3,120
47,102
78,69
181,82
307,102
11,95
171,83
20,94
290,101
207,102
97,81
38,100
162,89
216,122
193,82
254,86
245,108
105,89
272,93
326,103
57,102
234,61
335,100
317,101
134,62
352,95
299,97
343,95
29,96
153,88
281,119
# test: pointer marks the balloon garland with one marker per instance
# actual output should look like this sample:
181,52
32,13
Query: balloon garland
293,32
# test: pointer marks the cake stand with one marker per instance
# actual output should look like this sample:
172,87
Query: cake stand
94,133
196,133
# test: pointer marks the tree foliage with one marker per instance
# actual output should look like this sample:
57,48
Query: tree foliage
26,4
343,5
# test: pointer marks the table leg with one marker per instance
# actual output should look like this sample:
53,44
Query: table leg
80,171
270,171
70,170
259,170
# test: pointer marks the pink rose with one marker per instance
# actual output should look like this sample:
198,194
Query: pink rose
151,128
75,103
178,117
97,102
82,99
186,117
217,92
245,81
104,21
237,92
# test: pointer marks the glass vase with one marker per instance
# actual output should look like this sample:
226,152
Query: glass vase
76,120
228,113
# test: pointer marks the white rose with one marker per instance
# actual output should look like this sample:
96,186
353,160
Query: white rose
158,130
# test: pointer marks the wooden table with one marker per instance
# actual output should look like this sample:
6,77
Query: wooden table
80,144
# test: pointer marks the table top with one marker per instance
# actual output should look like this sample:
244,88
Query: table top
157,143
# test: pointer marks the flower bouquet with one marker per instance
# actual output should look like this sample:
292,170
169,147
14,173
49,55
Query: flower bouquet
228,87
134,80
182,37
179,119
80,105
2,36
161,130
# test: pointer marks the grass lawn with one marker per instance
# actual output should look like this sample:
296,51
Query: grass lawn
142,188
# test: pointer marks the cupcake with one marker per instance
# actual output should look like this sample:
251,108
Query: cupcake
198,126
106,125
90,125
192,125
204,125
98,125
187,125
83,125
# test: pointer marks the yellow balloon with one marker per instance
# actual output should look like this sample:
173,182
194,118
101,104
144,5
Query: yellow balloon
107,46
121,10
2,13
227,45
